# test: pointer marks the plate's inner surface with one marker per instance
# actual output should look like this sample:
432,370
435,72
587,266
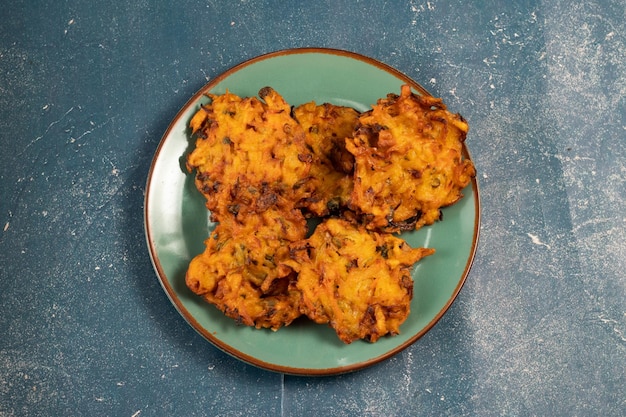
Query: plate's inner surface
177,222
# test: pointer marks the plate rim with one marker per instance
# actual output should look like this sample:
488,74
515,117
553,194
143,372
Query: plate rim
205,333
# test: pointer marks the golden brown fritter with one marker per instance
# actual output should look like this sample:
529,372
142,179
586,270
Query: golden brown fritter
262,168
326,128
356,280
242,273
408,161
248,153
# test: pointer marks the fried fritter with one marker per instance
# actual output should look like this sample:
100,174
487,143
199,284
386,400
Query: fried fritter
326,127
408,161
356,280
263,168
248,153
242,272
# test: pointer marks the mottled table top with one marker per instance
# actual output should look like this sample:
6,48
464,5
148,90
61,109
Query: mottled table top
87,91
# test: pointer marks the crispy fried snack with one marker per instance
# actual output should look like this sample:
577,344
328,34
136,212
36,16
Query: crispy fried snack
241,270
408,161
249,153
326,128
356,280
263,168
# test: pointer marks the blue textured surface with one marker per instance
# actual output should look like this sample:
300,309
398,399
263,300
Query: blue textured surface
86,91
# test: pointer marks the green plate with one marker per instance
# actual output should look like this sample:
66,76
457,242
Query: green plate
177,222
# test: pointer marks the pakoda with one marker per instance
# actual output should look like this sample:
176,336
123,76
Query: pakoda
248,153
408,161
356,280
264,168
242,270
326,128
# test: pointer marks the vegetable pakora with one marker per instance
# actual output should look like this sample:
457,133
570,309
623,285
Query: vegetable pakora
242,273
326,128
356,280
263,168
408,161
248,153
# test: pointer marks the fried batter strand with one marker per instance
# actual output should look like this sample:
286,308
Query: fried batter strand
242,269
249,153
408,161
356,280
326,128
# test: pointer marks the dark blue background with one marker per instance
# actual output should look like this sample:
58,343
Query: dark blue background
88,88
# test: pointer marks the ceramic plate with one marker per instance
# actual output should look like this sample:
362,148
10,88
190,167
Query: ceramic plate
177,222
